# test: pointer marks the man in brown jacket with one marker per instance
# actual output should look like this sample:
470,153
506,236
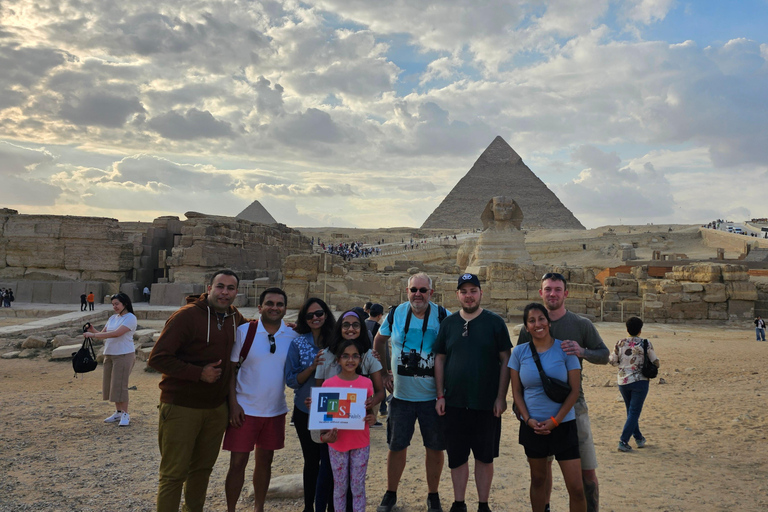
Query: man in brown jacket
193,354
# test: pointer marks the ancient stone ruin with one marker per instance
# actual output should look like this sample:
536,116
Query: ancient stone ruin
500,171
54,259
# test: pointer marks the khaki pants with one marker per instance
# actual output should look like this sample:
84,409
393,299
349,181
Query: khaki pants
190,440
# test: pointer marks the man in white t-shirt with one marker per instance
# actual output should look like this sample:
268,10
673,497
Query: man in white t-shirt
257,405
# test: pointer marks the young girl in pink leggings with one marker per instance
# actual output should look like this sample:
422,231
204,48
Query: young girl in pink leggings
348,449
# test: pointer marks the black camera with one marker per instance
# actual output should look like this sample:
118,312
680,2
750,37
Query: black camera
411,365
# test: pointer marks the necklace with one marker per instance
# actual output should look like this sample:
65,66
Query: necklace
220,320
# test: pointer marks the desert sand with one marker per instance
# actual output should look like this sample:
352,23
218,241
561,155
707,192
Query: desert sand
706,428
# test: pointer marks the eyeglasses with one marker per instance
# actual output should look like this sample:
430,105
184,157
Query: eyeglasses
465,332
553,275
272,346
347,325
354,357
420,290
314,314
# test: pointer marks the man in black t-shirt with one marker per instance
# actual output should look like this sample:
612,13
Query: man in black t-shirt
472,350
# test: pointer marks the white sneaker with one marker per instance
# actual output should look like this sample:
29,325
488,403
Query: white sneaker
115,417
125,420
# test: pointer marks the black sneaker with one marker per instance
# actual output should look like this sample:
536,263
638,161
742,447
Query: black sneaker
433,503
483,507
458,507
387,502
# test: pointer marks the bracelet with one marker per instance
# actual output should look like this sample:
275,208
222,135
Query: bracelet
441,397
554,421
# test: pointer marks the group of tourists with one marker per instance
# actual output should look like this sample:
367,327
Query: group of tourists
6,297
224,379
351,250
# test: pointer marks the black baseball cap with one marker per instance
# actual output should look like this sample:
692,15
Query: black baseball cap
468,278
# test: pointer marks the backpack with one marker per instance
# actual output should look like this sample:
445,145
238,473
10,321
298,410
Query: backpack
84,360
649,370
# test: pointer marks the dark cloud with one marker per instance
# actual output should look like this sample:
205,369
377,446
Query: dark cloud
98,109
193,124
143,170
313,125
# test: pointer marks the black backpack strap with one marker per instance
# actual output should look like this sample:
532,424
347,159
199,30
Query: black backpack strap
391,317
441,314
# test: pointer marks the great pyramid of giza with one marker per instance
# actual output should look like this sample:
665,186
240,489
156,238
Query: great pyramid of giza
500,171
257,213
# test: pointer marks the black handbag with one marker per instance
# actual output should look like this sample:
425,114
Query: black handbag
649,370
84,360
556,389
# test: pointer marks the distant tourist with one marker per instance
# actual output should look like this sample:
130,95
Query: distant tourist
146,293
91,299
83,302
629,356
193,354
119,356
6,296
759,328
581,339
471,377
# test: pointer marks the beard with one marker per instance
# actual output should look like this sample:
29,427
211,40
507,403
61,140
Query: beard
470,309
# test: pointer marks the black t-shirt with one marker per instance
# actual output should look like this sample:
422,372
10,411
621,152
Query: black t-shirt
472,363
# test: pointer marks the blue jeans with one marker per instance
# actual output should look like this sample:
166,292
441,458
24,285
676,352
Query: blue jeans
760,333
634,396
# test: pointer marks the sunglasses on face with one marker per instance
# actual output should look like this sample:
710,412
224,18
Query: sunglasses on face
355,357
314,314
272,346
553,275
420,290
347,325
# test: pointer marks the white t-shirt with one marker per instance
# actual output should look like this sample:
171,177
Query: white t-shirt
122,344
260,384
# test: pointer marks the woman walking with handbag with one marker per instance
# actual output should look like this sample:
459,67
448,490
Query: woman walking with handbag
629,355
547,426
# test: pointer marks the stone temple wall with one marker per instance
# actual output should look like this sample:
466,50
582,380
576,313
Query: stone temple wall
708,293
62,249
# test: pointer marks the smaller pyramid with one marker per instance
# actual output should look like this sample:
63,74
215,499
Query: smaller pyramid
256,213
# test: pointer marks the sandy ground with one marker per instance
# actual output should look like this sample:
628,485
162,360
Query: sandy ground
706,429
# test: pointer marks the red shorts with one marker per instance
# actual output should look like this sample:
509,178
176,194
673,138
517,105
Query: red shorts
264,433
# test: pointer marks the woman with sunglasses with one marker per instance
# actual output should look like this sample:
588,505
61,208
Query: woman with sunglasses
315,325
119,356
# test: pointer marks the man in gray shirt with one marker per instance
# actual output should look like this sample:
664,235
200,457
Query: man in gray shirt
581,339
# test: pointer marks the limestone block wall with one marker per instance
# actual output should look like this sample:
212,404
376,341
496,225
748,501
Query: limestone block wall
208,243
63,248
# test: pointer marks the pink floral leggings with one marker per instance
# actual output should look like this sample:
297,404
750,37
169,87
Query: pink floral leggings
349,468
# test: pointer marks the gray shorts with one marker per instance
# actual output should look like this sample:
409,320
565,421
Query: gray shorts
401,424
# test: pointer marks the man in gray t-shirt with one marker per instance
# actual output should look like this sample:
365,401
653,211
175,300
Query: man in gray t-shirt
580,338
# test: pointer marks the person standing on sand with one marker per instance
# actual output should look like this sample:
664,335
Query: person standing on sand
91,299
412,327
83,302
257,405
579,338
759,328
629,355
193,354
472,351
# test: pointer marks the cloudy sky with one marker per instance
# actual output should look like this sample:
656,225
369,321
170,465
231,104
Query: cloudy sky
366,113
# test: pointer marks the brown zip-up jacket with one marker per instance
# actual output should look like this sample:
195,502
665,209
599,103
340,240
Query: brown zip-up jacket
190,340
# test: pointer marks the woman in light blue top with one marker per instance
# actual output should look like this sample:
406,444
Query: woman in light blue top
315,325
547,427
